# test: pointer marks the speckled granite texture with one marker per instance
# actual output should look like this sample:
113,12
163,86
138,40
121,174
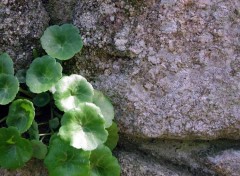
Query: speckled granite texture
22,23
171,68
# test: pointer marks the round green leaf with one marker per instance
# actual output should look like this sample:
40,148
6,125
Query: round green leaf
6,64
21,114
106,107
65,160
112,136
72,90
15,151
33,131
62,42
21,75
43,73
83,127
54,123
39,149
42,99
103,163
9,87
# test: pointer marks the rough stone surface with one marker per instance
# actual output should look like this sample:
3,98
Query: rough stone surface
32,168
170,67
201,158
133,164
61,11
22,22
226,162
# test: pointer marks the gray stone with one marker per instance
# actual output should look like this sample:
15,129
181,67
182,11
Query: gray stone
22,23
32,168
226,162
170,67
133,164
198,157
61,11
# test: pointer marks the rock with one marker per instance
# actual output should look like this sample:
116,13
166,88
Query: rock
198,157
170,67
60,11
21,25
32,168
133,164
226,162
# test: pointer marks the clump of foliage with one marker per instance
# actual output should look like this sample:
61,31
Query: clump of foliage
60,119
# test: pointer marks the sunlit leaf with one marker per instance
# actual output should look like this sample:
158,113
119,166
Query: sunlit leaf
6,64
62,42
83,127
106,107
9,87
15,151
65,160
103,163
21,114
72,90
43,73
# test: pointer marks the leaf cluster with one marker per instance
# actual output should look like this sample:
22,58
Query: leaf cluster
60,119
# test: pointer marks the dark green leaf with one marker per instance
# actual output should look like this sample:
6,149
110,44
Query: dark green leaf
39,149
54,123
62,42
42,99
6,64
83,127
106,107
72,90
15,151
43,73
103,163
64,160
112,136
21,75
9,87
21,114
33,131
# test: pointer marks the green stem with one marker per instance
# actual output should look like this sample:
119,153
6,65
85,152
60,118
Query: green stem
25,92
45,134
43,123
3,119
57,114
21,97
